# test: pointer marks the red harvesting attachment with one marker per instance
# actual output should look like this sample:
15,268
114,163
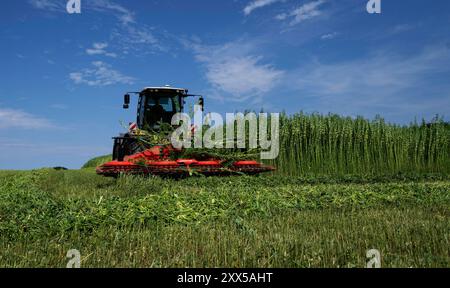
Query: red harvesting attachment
156,161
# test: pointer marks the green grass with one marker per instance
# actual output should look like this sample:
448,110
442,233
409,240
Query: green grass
334,145
94,162
272,221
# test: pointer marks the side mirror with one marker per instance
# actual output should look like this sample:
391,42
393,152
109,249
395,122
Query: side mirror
201,102
126,101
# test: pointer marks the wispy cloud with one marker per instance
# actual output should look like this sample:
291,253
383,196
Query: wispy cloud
329,36
127,35
13,118
99,49
101,74
402,28
304,12
233,68
124,15
48,5
138,40
256,4
382,82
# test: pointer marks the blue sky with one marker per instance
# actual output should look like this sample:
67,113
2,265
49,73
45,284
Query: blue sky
63,75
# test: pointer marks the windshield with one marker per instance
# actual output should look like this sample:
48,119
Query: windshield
168,103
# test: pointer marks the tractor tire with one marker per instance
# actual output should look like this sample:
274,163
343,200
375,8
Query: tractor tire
125,146
118,151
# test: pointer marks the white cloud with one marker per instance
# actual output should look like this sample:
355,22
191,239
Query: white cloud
302,13
128,35
49,5
124,15
132,36
402,28
384,82
99,49
140,39
100,46
13,118
234,69
329,36
101,74
258,4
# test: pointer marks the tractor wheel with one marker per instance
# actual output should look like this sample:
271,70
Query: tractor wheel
118,151
125,147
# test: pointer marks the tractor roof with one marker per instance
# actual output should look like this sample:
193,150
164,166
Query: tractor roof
165,88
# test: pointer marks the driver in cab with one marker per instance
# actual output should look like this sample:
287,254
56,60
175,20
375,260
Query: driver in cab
156,112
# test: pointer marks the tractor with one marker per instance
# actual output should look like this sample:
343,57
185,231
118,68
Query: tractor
156,106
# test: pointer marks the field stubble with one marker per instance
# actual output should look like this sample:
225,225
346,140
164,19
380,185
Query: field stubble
271,221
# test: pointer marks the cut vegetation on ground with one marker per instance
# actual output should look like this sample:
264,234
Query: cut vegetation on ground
222,222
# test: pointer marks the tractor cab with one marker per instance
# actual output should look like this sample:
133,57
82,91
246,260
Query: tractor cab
157,105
